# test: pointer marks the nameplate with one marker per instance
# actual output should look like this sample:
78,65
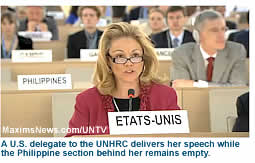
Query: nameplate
31,55
37,36
44,82
138,22
89,55
148,122
102,23
58,15
134,22
164,53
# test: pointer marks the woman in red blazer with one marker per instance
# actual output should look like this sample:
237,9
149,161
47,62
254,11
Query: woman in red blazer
126,60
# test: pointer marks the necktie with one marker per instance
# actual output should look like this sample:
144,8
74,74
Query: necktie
210,68
175,42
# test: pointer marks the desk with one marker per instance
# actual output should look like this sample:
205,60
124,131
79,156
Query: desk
46,109
56,67
59,67
36,108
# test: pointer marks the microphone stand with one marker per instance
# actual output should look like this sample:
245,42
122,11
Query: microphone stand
131,93
130,104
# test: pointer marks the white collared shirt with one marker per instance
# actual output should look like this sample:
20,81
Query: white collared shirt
206,55
180,37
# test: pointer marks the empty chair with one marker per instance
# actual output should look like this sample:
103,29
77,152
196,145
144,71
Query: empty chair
230,123
5,75
222,105
65,31
58,49
62,111
81,74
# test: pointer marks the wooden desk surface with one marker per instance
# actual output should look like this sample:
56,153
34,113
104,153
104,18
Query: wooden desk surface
12,88
209,88
59,67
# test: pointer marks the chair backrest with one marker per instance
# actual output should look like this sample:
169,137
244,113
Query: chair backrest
66,30
62,111
58,49
26,110
5,75
221,109
230,123
80,74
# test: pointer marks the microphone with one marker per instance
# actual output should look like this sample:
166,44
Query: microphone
131,94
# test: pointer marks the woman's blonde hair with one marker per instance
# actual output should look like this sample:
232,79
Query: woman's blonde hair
103,77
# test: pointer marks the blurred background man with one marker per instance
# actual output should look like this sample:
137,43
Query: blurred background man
212,62
176,35
87,38
38,21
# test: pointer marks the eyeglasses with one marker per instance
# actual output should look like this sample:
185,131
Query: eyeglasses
122,60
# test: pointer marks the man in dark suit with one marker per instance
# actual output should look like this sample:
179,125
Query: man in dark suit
175,35
242,36
222,10
242,121
141,12
87,38
232,35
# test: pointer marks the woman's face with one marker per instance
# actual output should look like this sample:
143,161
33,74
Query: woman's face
156,21
7,28
126,47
